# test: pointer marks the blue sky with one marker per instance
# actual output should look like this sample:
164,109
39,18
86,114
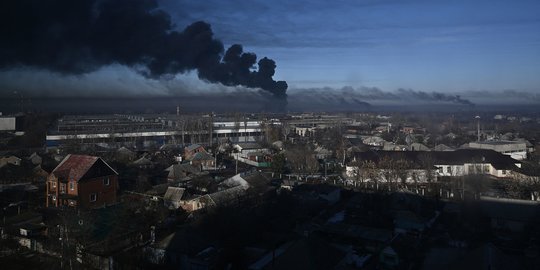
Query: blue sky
446,46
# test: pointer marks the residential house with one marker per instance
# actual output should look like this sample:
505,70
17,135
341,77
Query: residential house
124,154
230,192
418,147
516,150
444,163
202,160
374,141
252,154
322,153
173,197
193,149
179,172
245,148
390,146
142,163
83,182
442,147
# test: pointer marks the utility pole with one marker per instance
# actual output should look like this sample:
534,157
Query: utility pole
236,159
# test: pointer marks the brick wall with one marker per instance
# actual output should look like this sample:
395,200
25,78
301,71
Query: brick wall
106,194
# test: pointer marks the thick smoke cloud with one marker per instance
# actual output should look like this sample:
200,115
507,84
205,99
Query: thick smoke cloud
368,94
78,37
433,96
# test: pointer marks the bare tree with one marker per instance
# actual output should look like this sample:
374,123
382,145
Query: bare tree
312,164
402,167
302,159
285,130
357,172
428,164
237,120
388,166
369,171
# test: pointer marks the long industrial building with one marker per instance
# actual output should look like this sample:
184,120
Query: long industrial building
144,130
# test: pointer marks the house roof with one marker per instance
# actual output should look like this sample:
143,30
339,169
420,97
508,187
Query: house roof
124,150
174,194
418,147
509,209
178,170
248,145
142,161
442,147
192,147
77,166
201,156
225,196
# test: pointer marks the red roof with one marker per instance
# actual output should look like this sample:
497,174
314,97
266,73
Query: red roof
75,166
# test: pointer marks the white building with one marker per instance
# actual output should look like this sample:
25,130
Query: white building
516,150
7,123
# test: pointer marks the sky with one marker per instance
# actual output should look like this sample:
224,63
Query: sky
341,50
443,46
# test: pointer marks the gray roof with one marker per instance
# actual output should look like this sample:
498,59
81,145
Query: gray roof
174,194
249,145
228,195
177,170
442,147
192,147
202,156
142,161
509,209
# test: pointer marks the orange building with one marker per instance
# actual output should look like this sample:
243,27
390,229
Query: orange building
83,182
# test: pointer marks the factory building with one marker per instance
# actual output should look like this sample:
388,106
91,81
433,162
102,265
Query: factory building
141,131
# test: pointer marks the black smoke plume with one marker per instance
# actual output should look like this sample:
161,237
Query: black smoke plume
81,36
434,96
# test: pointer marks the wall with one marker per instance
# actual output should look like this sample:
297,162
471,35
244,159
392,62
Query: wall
7,123
106,195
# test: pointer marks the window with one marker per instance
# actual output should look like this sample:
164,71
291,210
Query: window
106,181
62,188
448,169
504,172
71,186
93,197
54,184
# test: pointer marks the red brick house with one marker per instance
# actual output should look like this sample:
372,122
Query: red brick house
83,182
193,149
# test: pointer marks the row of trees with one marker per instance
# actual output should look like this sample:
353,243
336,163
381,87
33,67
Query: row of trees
393,170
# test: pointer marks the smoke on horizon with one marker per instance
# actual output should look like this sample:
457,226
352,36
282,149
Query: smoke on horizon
369,94
79,37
